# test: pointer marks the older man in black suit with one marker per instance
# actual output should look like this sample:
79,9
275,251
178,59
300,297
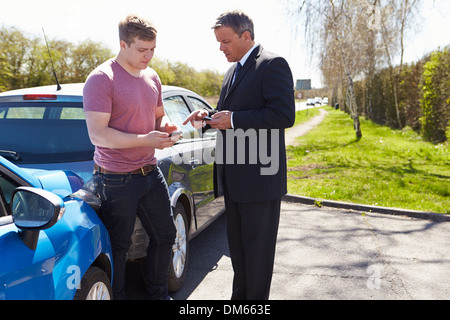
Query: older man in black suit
256,104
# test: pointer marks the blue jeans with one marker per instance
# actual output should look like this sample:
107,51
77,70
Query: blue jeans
123,197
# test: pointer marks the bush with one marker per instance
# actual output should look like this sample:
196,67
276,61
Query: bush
25,62
206,83
423,97
435,100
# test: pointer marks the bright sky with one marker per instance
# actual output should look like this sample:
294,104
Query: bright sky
184,27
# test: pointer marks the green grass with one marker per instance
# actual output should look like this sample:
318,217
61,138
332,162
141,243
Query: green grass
304,115
389,168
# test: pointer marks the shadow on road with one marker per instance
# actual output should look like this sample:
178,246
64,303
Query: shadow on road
206,250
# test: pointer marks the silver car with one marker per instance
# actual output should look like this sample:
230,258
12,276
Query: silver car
43,128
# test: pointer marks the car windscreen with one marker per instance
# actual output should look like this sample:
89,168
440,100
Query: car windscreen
44,132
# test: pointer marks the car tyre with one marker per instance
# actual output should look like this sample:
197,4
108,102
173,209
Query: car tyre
95,285
180,250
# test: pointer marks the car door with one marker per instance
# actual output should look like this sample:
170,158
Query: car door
214,206
194,158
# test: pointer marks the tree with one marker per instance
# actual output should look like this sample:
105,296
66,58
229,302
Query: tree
85,57
340,26
3,69
37,67
436,97
13,47
163,69
25,62
396,17
355,40
206,83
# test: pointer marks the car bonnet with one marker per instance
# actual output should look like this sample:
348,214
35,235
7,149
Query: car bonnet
61,183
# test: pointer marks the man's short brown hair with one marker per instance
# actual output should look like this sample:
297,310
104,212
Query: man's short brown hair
238,21
133,27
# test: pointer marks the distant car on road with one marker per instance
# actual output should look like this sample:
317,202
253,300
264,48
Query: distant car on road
44,128
325,101
310,102
318,100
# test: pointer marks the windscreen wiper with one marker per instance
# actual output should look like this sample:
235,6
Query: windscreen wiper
12,155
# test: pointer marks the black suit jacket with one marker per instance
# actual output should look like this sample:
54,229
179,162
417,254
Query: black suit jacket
262,101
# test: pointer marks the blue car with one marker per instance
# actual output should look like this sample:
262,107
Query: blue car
52,243
45,128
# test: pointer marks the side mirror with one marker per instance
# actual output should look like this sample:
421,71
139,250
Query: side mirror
34,210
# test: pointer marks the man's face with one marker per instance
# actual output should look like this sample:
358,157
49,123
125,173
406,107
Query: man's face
139,53
231,45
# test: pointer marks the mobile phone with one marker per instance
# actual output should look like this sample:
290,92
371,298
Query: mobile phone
175,133
207,119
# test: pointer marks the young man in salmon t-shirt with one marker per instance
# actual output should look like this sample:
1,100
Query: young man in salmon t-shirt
126,122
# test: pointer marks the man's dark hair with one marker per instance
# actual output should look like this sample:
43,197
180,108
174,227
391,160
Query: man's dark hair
238,21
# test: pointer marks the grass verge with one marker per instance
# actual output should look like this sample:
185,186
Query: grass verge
389,168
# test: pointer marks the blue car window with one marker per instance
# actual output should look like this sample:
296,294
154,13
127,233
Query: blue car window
44,132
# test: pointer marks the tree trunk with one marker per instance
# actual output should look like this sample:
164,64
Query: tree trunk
354,108
352,105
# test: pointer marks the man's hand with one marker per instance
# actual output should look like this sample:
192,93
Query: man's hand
221,120
196,117
171,127
157,139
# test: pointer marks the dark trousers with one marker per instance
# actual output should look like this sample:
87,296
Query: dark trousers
252,234
123,197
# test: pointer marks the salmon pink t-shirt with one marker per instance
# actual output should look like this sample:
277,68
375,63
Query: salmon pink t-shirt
132,103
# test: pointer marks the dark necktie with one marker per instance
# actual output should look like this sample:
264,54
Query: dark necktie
238,68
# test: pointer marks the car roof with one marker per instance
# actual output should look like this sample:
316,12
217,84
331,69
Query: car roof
69,92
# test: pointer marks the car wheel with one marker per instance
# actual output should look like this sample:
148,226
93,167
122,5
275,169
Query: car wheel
180,250
95,285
